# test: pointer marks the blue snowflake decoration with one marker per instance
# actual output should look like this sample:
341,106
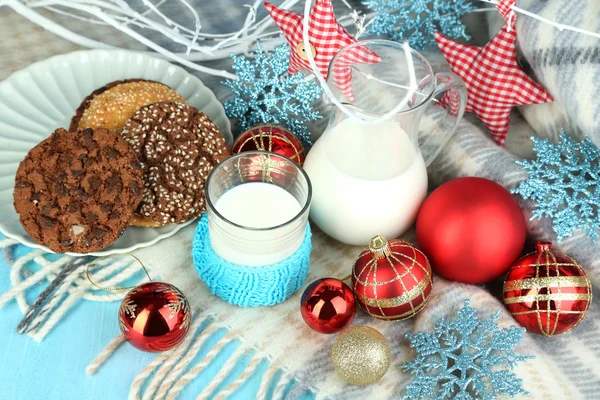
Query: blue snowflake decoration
564,181
464,359
263,94
417,21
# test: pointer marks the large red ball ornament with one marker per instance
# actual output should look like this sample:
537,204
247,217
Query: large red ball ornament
471,229
272,138
548,293
391,279
154,316
328,305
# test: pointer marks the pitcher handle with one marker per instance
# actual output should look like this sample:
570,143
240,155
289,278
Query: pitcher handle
455,100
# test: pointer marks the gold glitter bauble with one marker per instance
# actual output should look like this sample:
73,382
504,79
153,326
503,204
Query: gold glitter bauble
361,355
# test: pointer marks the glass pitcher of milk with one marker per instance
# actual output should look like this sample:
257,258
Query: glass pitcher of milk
370,179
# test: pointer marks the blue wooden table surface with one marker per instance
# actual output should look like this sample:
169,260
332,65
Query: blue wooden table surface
55,368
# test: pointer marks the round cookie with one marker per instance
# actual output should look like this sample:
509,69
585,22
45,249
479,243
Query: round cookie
113,104
77,191
86,102
179,146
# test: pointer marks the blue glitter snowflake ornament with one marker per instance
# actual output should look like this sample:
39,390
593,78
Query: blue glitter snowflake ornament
564,181
263,95
417,21
465,359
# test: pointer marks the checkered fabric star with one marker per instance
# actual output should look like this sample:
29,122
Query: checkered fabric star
505,9
326,38
495,83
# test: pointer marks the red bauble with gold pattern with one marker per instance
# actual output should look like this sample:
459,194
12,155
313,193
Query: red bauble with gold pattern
391,279
154,316
548,293
328,305
272,138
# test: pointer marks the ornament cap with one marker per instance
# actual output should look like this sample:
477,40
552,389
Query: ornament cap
379,247
543,246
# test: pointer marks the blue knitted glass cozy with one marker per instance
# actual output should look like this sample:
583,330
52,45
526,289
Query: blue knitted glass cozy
249,286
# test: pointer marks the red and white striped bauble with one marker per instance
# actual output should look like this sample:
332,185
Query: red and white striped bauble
548,293
391,279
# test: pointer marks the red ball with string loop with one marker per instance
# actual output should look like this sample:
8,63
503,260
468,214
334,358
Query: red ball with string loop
154,316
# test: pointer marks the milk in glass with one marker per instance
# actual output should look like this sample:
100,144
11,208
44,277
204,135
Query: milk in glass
256,205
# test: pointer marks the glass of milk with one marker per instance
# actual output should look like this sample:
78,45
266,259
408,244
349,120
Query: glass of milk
257,204
370,179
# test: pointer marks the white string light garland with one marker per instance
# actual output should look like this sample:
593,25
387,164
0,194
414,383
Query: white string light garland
412,86
201,46
559,26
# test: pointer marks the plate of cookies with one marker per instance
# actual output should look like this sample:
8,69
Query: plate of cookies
104,151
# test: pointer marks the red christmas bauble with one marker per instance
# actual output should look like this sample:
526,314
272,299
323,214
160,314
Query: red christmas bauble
327,305
154,316
471,229
392,279
548,293
272,138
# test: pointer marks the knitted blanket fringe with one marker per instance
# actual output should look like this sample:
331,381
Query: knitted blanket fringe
66,284
167,376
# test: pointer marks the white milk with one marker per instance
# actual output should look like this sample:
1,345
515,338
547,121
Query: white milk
256,205
367,180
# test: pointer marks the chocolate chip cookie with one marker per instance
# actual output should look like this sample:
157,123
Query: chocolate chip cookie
113,104
179,146
76,191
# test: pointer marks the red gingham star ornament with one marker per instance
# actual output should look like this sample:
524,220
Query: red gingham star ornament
326,37
505,9
495,82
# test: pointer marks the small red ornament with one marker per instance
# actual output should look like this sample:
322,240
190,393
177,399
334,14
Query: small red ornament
391,279
328,305
548,293
272,138
154,316
471,229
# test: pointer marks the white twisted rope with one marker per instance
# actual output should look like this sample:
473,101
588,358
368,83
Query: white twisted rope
145,373
88,290
264,383
225,370
20,286
7,242
74,293
106,352
57,296
176,366
250,369
279,392
194,371
15,274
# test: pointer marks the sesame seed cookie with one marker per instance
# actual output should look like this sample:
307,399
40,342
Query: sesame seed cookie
113,104
179,146
77,191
